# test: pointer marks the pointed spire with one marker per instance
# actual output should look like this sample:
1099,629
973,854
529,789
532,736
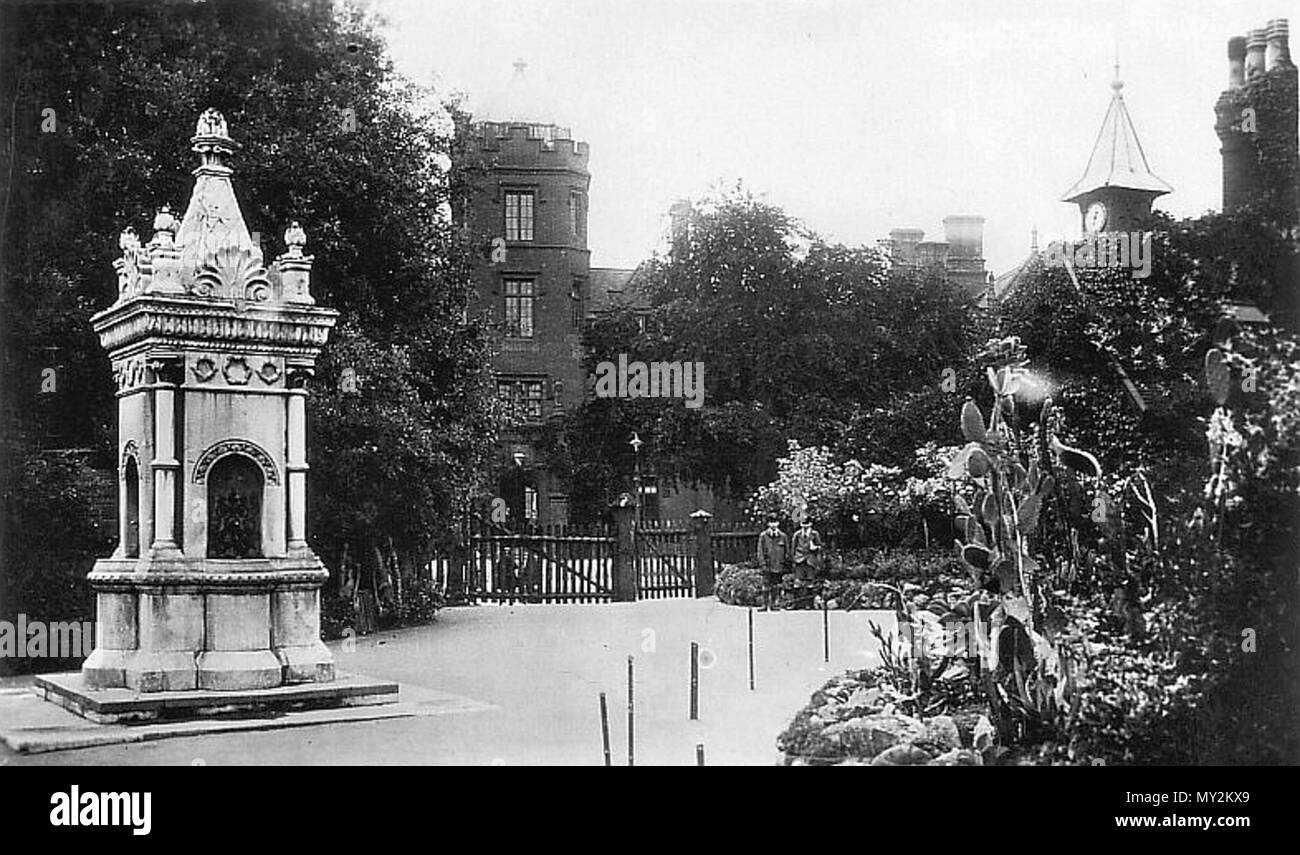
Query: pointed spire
1117,158
213,221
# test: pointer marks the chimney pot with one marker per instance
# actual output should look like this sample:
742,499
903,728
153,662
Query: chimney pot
1236,62
1256,44
1278,52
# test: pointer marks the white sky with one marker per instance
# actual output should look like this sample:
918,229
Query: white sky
856,117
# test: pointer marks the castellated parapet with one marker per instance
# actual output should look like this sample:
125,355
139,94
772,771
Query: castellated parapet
549,147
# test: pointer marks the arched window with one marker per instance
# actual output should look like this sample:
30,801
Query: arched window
132,486
235,508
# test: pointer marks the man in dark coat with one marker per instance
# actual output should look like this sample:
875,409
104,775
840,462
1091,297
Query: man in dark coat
773,551
806,550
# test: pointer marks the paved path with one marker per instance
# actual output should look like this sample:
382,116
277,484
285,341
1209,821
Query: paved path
542,668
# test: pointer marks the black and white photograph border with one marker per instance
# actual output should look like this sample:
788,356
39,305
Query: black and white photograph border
719,383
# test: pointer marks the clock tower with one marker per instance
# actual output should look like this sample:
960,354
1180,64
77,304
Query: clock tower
1117,187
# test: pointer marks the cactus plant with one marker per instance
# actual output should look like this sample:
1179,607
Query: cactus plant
1029,677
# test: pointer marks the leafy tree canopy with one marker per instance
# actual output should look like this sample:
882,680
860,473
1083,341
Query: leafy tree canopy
100,102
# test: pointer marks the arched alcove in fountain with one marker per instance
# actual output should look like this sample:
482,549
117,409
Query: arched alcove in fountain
132,486
235,486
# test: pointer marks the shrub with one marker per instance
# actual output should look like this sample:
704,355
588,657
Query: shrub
836,496
336,615
421,600
739,585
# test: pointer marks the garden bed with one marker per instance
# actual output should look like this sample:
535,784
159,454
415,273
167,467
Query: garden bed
861,719
883,579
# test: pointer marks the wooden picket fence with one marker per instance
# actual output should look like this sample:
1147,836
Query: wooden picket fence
575,564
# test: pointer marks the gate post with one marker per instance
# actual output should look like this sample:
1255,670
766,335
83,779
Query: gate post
458,567
701,522
626,583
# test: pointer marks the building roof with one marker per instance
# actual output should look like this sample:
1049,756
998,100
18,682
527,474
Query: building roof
612,288
1117,158
1003,286
522,100
1246,312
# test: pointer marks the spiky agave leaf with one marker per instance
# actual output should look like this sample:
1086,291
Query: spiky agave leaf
1080,461
1218,376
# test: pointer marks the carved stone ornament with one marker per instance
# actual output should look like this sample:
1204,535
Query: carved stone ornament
132,373
128,266
237,372
235,446
295,239
204,369
233,272
165,226
269,372
211,124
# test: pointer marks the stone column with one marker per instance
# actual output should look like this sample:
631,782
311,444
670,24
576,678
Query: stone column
166,468
296,461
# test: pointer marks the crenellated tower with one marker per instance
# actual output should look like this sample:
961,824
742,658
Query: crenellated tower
527,210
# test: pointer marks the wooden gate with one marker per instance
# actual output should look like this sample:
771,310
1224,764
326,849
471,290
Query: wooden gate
665,556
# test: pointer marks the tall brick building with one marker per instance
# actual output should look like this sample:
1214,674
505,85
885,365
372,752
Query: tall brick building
527,207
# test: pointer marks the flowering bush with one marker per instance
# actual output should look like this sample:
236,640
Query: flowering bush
811,484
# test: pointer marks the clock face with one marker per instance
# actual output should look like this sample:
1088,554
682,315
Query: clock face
1094,219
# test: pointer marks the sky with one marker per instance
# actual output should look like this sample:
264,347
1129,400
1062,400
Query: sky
855,116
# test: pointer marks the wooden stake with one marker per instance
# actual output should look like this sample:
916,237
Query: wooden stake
631,713
695,681
751,650
826,631
604,727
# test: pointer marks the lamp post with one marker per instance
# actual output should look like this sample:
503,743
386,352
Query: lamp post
636,442
519,458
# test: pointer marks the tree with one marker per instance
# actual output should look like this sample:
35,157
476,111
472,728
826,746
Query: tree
100,101
1154,329
796,334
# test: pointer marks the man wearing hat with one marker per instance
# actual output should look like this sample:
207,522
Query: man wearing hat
773,550
806,549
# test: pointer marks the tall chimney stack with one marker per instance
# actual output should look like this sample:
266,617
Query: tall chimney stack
679,219
965,234
1278,52
904,243
1236,62
1256,45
